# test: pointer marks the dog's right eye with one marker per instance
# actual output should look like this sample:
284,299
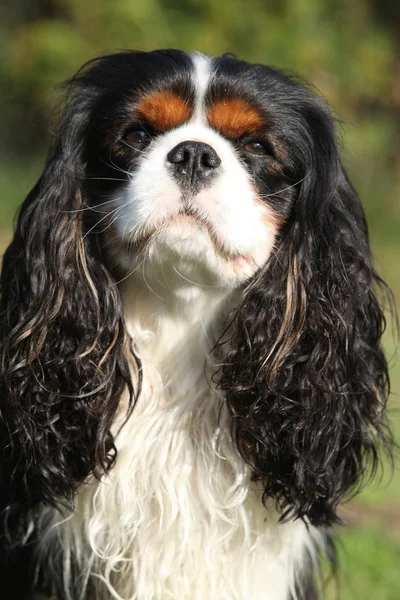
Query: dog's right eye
136,136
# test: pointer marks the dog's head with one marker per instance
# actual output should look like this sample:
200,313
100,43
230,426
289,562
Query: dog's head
227,173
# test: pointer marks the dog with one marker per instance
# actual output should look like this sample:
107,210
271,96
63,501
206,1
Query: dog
192,376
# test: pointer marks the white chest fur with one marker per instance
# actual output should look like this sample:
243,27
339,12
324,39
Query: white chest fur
178,517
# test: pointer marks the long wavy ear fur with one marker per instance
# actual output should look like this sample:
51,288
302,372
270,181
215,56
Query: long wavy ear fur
305,375
63,343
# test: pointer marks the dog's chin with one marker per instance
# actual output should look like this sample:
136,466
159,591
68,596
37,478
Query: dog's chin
185,250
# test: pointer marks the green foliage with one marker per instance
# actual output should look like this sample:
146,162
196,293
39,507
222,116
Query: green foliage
330,39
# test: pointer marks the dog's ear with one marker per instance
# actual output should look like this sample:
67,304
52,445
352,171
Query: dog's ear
305,376
63,341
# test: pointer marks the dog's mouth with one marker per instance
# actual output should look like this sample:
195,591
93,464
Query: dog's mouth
191,217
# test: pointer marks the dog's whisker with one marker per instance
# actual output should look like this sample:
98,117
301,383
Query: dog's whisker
202,285
266,196
104,179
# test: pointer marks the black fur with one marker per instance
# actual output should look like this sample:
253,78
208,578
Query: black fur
306,378
304,374
63,344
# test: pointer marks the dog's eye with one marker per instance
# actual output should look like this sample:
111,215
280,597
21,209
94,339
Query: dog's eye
136,136
257,148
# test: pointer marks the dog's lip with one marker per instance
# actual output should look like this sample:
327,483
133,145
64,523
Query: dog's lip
186,215
191,216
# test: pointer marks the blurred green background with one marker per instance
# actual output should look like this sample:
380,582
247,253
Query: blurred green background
349,49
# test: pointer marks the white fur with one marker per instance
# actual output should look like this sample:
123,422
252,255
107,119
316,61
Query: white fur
178,517
201,77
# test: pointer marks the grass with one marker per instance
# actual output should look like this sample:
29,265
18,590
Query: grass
369,566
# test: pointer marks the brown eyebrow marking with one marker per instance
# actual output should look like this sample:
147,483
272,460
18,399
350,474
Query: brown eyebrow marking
164,110
234,117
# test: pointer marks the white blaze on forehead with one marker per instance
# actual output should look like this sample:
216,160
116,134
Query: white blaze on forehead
202,74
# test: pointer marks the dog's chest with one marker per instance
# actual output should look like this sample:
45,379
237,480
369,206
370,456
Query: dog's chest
179,517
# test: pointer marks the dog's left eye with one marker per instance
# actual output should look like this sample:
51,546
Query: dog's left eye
136,136
257,148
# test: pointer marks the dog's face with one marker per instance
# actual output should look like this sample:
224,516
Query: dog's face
199,168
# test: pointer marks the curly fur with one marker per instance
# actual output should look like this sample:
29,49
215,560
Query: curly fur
62,370
307,393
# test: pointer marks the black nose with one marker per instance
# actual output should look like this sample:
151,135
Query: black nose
194,164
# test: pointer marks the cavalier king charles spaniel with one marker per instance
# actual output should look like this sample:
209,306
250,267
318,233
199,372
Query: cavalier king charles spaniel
192,376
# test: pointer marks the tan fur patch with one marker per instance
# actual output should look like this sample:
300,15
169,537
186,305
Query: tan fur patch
271,218
164,110
234,117
119,150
